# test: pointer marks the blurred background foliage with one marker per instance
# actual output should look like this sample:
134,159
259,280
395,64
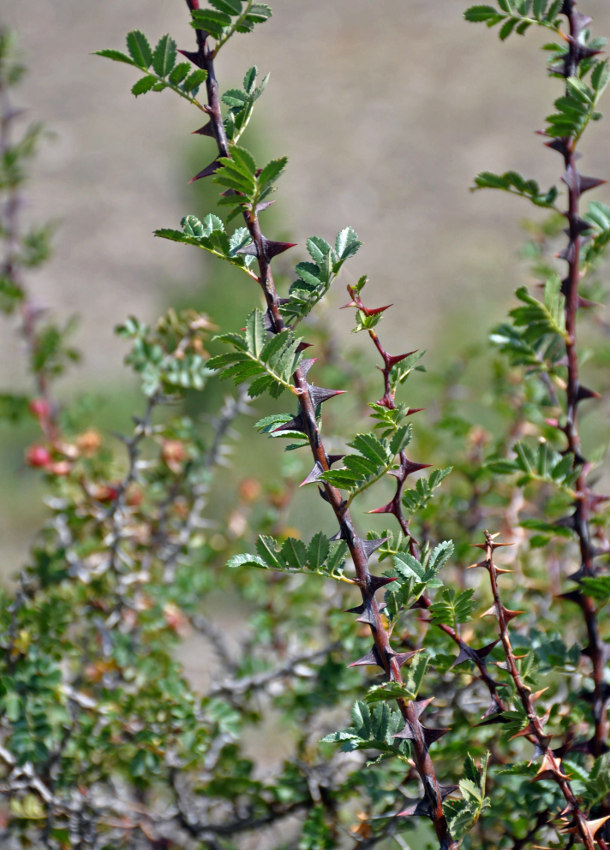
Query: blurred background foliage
416,120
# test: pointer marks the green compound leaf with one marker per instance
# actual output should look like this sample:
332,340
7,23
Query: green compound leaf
316,834
318,551
408,689
540,317
143,85
598,587
320,557
452,607
414,674
117,56
515,184
239,173
375,458
372,728
516,15
228,17
249,79
463,814
164,57
160,369
211,21
259,13
315,277
480,13
388,691
271,172
179,73
228,7
139,49
209,234
243,161
598,215
194,79
425,571
419,496
255,333
235,97
542,464
164,72
318,249
597,783
347,244
241,104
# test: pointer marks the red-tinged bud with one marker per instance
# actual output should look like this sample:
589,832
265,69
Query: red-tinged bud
173,454
60,467
69,450
89,442
250,489
38,455
279,499
96,671
133,497
175,618
40,408
104,492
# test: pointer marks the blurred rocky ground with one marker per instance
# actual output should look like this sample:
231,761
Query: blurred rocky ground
387,110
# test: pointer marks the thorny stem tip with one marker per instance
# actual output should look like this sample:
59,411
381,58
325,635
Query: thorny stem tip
551,767
395,508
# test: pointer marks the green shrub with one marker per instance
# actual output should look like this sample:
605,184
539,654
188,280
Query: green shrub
358,685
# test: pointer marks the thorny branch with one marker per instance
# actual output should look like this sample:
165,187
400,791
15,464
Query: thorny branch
395,508
551,767
360,550
586,501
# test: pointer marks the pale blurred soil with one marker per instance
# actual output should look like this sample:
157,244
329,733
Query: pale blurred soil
387,109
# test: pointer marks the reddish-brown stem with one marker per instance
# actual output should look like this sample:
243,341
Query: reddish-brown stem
348,533
582,505
551,764
395,506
